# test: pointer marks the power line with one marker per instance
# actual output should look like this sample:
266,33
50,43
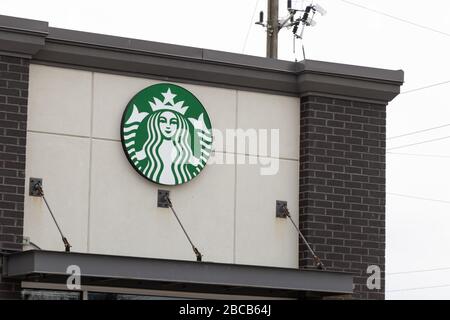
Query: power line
417,143
250,26
410,23
397,18
420,155
418,131
419,288
426,87
418,271
417,198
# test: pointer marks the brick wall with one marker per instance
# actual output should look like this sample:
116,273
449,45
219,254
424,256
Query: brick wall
13,122
342,186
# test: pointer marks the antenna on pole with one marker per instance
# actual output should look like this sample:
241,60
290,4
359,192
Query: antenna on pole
273,25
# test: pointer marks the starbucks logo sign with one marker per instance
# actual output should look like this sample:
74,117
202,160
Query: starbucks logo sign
166,134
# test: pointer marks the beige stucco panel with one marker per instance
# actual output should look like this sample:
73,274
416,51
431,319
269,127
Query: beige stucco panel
268,111
111,95
125,220
261,238
63,164
221,107
105,207
113,92
59,100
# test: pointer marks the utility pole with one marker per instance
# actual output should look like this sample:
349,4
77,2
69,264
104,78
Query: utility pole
273,25
272,29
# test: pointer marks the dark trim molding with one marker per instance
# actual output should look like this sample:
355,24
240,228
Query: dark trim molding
46,45
168,67
22,37
148,272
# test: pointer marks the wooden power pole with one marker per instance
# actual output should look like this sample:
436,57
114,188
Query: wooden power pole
272,29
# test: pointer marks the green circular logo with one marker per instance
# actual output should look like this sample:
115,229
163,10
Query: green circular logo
166,134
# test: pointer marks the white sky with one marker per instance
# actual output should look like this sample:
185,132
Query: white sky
417,230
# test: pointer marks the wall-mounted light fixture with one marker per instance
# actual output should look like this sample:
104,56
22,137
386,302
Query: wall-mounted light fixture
165,202
35,190
163,195
282,211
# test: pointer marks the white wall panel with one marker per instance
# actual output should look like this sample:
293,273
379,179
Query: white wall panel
106,207
59,100
63,163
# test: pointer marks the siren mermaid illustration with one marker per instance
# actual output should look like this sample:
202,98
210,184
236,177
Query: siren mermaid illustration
167,150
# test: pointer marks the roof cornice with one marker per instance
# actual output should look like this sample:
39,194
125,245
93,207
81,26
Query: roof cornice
34,39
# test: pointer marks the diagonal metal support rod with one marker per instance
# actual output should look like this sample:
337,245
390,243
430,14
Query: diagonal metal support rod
194,248
67,245
317,261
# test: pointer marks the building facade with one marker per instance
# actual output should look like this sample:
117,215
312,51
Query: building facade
63,94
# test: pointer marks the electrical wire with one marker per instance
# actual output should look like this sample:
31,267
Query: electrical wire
416,197
410,23
426,87
419,288
250,26
418,131
420,155
417,143
411,133
397,18
406,92
417,271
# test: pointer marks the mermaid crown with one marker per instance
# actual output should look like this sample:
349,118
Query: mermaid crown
168,103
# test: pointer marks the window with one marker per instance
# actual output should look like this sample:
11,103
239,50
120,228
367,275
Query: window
32,294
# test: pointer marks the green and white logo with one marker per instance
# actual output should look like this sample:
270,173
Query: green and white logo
166,134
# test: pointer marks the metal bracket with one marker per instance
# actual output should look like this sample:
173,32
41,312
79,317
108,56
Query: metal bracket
26,241
162,198
33,191
279,209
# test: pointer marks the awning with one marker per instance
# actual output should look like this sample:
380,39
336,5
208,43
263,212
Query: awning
176,275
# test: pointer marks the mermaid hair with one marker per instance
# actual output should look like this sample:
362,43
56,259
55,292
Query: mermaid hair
181,141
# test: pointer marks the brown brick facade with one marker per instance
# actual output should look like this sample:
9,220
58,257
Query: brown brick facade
13,124
342,186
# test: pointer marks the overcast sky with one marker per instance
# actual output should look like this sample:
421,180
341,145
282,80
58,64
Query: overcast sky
417,229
